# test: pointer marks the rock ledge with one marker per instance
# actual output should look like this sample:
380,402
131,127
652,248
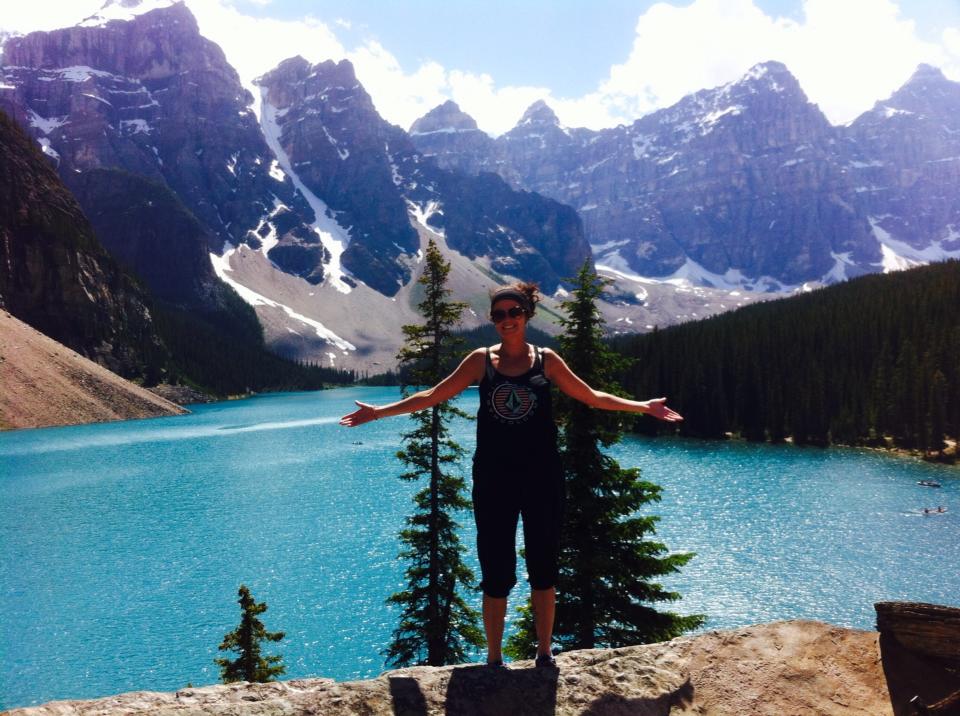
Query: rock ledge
792,667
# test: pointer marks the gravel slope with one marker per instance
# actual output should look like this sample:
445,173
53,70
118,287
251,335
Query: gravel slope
44,383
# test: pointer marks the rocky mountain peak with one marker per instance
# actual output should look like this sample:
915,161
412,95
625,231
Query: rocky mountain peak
125,10
141,46
341,72
539,113
447,117
927,93
927,73
767,78
293,68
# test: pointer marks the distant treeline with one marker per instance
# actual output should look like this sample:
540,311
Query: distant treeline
225,355
874,357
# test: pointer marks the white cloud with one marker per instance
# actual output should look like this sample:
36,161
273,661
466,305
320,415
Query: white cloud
255,45
678,50
495,109
849,55
951,45
23,17
846,55
399,97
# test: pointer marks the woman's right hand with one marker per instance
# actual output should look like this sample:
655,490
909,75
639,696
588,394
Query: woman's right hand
363,414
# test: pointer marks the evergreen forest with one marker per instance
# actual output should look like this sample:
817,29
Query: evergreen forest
872,361
227,357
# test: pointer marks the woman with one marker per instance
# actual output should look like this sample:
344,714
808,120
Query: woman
516,468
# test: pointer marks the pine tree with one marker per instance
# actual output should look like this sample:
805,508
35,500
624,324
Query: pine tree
245,639
937,417
435,621
607,561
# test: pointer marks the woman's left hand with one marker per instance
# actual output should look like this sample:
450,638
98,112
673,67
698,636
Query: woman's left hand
657,407
364,414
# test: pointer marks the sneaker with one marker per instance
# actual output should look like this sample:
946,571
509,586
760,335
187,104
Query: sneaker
546,661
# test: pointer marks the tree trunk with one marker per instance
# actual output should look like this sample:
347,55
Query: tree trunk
435,627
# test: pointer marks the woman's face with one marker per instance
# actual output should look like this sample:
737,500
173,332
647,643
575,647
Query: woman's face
508,318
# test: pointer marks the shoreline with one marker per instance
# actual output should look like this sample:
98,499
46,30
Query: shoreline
190,395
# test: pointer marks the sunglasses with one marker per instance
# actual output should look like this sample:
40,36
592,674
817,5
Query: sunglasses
499,314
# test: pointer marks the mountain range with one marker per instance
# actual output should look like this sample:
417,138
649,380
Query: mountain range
315,210
743,185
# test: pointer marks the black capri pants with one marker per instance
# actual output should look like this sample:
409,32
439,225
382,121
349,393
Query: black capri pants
505,490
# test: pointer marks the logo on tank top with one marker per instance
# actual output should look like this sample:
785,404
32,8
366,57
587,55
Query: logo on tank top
511,402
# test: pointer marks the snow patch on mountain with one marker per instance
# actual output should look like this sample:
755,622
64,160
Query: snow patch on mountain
838,272
123,10
46,124
276,172
422,214
135,126
445,130
642,144
221,265
333,236
758,72
47,149
898,255
341,152
75,73
691,276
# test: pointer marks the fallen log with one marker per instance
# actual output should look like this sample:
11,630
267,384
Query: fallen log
928,629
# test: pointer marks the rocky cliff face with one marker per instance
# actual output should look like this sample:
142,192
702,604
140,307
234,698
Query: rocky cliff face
54,273
904,162
372,179
742,185
152,97
452,137
339,147
303,211
325,187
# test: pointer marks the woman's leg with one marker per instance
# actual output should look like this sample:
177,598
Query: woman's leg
544,603
542,510
496,514
494,614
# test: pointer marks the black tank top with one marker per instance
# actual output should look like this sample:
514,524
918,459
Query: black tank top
515,417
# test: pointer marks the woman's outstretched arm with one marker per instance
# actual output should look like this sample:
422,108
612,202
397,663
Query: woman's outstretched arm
469,371
559,372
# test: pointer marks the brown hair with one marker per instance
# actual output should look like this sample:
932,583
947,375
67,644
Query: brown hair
527,294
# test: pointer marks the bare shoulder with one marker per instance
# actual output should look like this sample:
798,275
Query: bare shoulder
475,362
551,361
550,353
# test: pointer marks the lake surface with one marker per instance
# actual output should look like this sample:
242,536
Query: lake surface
122,545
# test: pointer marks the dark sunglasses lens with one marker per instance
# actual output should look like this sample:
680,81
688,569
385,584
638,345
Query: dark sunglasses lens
499,314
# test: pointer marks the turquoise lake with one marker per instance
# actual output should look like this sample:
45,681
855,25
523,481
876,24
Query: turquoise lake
122,545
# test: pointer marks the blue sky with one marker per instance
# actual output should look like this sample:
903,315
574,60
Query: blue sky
597,63
567,45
